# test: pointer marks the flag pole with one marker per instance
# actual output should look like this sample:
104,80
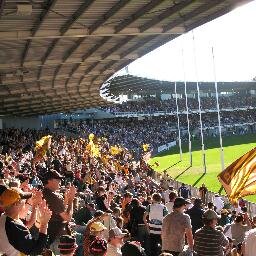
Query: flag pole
218,111
178,118
199,105
187,110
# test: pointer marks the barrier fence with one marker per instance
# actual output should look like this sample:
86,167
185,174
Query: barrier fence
251,207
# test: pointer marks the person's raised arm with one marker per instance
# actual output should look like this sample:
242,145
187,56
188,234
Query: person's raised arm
70,195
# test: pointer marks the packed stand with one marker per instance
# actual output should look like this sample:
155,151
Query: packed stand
151,105
66,198
156,131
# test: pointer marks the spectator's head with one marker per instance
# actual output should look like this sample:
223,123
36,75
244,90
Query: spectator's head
101,190
98,213
132,249
52,180
117,212
224,212
198,202
210,218
180,203
210,205
116,236
12,200
239,219
97,228
157,198
172,196
119,222
135,202
244,209
128,197
67,245
98,247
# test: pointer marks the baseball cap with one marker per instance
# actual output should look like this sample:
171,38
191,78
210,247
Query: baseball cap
132,248
67,244
52,175
210,215
9,196
97,226
116,232
98,246
180,201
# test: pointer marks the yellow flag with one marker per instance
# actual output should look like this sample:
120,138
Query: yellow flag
145,147
42,146
115,150
239,179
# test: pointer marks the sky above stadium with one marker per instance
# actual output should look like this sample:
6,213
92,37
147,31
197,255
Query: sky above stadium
233,39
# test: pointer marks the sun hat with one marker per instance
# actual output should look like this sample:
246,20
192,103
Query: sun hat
9,196
97,227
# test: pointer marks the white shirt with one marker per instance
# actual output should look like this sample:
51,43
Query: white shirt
250,242
166,196
218,202
169,206
113,251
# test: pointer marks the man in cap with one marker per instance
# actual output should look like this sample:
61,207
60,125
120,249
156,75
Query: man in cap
208,233
176,225
62,209
115,242
15,237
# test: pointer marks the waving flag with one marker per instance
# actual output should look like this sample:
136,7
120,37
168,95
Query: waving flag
239,179
42,146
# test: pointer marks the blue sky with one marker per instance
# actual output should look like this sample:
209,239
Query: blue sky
233,38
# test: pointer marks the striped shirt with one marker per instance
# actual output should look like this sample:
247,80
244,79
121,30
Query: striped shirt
209,242
156,214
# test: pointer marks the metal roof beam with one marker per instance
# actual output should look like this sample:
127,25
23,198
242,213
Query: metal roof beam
91,29
70,61
82,8
141,12
81,34
46,9
183,18
108,15
165,14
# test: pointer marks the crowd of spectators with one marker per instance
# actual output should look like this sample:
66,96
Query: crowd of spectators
156,131
151,105
72,202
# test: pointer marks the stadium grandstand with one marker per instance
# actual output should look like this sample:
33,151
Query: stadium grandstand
82,148
150,115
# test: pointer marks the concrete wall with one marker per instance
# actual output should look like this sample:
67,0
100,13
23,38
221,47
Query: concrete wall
22,122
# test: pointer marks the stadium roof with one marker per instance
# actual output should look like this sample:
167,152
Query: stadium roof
55,54
129,84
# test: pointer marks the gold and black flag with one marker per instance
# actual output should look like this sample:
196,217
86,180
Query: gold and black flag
239,179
